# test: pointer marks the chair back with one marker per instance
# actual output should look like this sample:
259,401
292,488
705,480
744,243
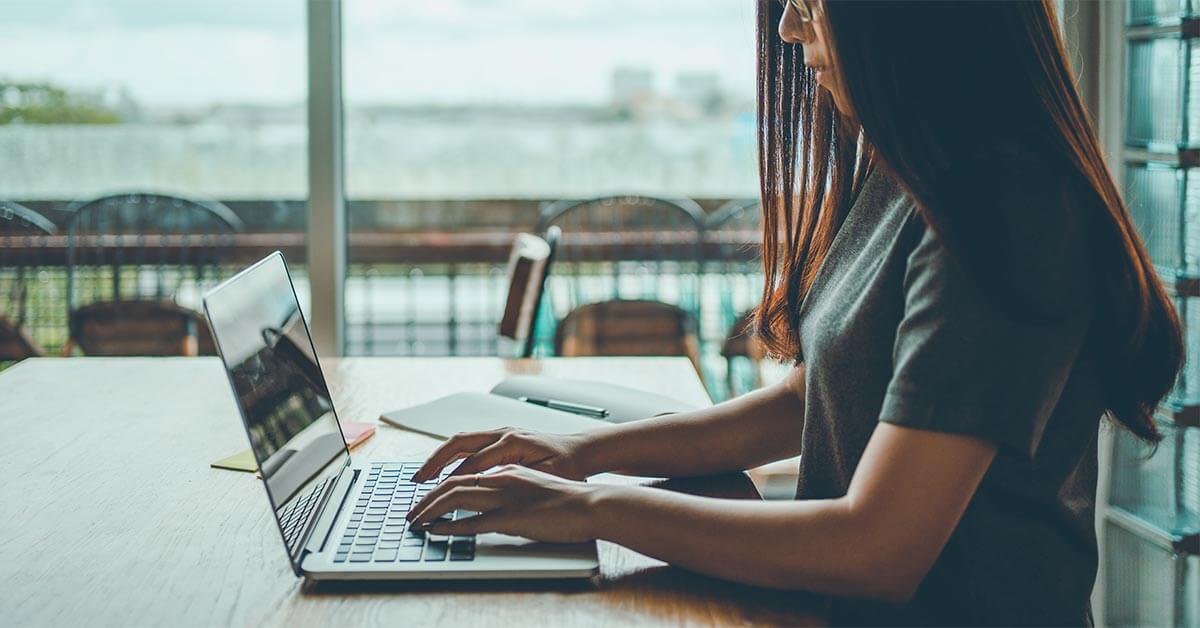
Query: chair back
528,267
625,247
742,341
743,353
23,236
144,260
733,232
149,328
732,256
628,328
734,279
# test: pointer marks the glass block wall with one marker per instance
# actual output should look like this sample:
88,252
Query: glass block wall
1152,527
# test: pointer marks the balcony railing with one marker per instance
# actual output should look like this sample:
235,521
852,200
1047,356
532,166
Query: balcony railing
430,290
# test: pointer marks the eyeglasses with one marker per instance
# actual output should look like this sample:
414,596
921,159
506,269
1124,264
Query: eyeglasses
802,8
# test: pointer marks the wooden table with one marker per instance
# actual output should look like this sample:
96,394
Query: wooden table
111,515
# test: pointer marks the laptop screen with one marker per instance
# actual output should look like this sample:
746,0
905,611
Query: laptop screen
277,381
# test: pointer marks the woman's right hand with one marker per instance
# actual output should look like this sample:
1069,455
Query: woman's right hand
553,453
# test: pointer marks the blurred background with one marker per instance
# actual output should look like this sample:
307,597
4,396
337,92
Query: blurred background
150,149
463,120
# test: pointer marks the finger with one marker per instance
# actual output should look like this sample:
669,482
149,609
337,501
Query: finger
456,447
506,477
446,485
504,451
498,520
465,498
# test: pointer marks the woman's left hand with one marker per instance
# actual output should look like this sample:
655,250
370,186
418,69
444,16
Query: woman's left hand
513,500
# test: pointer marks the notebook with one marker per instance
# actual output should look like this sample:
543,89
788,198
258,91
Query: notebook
621,402
476,412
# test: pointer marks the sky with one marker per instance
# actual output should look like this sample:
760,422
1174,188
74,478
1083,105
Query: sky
200,52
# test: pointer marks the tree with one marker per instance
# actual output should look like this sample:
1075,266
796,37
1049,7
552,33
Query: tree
43,103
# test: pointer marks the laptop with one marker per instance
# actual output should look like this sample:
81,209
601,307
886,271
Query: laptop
341,517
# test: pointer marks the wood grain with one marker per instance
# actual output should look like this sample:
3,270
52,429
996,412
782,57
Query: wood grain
110,514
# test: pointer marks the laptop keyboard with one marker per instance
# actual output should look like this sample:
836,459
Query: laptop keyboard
299,511
378,531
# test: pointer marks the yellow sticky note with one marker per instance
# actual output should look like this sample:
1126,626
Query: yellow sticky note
355,433
241,461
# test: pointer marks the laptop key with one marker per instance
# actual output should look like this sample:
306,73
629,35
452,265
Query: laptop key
462,552
385,556
360,558
435,551
409,554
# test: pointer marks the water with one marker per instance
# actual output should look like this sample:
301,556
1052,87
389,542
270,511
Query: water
399,157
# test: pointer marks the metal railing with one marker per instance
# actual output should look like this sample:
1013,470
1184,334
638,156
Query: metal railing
435,291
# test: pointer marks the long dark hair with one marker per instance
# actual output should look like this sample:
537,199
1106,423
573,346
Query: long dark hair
943,94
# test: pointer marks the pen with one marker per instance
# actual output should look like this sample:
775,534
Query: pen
566,406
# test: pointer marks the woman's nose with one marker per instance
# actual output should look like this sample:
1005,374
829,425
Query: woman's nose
793,30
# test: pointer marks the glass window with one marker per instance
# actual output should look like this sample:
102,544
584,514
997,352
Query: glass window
466,118
197,101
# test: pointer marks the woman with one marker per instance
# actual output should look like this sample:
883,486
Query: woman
952,269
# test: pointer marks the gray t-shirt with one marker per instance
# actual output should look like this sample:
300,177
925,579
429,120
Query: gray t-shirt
895,329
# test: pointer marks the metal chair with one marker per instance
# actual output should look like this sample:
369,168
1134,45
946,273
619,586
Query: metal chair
624,247
733,280
528,268
624,327
137,265
22,232
741,346
732,253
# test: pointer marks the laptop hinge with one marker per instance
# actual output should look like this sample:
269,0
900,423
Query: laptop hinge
321,528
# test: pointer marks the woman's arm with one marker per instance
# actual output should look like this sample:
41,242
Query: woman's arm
754,429
751,430
879,540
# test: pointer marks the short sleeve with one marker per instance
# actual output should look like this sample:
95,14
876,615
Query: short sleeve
964,364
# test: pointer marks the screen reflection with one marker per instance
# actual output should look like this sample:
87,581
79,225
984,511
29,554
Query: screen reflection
283,397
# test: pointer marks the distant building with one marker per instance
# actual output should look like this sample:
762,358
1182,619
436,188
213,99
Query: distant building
699,92
632,88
